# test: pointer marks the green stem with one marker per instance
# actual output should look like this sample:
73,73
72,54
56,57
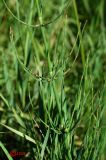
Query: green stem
41,23
80,35
27,43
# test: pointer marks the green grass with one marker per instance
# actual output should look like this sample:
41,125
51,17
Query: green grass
53,79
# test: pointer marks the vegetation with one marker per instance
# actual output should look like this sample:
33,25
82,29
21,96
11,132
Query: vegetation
52,79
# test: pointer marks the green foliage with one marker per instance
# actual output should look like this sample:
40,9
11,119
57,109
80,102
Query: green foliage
52,79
